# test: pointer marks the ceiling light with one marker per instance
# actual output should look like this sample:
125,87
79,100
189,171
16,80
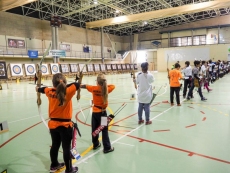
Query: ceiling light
117,11
95,2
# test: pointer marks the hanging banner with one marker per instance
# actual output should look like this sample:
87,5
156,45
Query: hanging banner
54,68
44,69
64,68
65,47
81,67
15,43
30,69
57,53
73,68
16,69
3,71
32,53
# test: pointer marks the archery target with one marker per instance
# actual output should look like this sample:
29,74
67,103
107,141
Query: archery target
30,69
123,66
114,67
54,68
3,71
119,66
81,67
73,68
16,69
102,67
96,67
108,66
64,68
127,66
90,67
44,69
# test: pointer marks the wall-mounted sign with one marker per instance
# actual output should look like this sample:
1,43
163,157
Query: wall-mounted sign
57,53
32,53
65,47
15,43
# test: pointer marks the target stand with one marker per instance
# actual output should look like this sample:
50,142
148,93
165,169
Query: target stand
4,127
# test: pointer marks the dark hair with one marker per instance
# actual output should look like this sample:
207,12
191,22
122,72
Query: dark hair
187,63
177,65
203,62
210,61
59,82
101,80
196,63
144,66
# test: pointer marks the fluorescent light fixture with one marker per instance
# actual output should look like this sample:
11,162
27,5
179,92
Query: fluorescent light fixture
117,11
95,2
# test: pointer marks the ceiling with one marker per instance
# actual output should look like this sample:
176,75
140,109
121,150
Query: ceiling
78,12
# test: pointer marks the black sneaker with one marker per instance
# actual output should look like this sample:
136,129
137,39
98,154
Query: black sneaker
203,99
108,151
60,166
73,170
188,98
99,145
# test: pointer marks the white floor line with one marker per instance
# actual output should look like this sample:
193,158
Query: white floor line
125,144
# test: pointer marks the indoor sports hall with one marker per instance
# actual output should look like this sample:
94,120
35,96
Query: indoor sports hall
82,39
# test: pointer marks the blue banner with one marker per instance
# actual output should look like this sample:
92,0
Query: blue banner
32,53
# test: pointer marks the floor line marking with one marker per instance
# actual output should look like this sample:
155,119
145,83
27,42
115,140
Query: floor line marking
190,153
118,139
190,125
161,130
125,144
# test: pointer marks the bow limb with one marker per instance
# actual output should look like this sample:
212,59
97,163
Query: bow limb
168,67
39,101
79,90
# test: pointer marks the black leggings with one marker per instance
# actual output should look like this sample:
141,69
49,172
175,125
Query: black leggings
177,91
61,135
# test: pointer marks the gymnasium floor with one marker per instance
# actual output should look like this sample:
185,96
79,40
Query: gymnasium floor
192,138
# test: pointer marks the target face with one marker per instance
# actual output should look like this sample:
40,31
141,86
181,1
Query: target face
16,69
30,69
44,69
3,72
55,68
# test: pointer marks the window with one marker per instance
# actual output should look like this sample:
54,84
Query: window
187,41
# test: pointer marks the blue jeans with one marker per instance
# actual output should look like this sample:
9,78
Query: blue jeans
146,107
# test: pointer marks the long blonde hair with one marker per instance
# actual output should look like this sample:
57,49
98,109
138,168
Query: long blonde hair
101,80
59,82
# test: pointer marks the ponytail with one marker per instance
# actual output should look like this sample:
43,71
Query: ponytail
104,89
59,81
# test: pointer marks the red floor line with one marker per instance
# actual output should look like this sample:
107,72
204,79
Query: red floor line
175,148
202,112
204,119
190,125
161,130
18,134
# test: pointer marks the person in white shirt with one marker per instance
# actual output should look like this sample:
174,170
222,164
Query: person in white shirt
204,69
144,81
187,72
